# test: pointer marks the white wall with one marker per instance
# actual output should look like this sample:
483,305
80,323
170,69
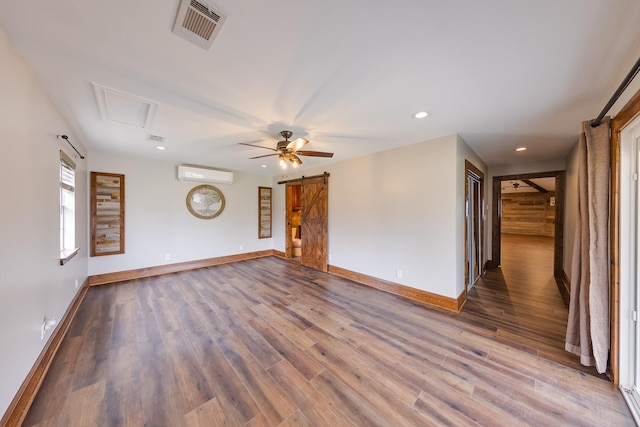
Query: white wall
396,210
570,207
157,222
33,284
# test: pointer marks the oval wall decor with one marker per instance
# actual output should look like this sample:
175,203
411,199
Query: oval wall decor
205,201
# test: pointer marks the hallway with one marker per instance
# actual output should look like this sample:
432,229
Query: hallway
522,302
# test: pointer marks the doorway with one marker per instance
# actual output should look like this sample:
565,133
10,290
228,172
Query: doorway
294,221
497,215
307,213
474,224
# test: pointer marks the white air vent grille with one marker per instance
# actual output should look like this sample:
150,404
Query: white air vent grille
205,10
156,138
198,22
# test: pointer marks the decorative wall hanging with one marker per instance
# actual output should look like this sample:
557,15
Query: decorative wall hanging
107,213
264,212
205,201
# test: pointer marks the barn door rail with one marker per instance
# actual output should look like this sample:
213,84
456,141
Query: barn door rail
325,175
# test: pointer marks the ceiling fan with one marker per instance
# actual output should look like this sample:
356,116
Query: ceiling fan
288,151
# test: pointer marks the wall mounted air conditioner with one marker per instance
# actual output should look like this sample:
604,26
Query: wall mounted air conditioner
193,173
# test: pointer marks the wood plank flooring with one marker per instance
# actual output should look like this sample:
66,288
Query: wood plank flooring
523,302
268,342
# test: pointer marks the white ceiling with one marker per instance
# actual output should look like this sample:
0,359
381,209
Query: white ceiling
347,75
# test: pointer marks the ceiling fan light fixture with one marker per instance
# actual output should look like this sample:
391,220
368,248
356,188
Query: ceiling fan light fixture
295,160
286,134
297,144
288,151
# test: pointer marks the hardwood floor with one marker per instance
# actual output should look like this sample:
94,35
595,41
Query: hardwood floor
523,302
268,342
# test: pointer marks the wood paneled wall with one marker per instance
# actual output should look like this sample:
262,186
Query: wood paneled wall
528,213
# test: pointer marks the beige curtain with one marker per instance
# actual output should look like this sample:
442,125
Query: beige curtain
588,324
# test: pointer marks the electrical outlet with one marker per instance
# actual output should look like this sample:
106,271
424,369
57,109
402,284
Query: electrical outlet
399,274
242,247
167,257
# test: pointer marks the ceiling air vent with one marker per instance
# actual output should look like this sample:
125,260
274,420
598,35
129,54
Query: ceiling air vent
156,138
198,22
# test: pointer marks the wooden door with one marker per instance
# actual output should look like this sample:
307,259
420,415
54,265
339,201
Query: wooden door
314,221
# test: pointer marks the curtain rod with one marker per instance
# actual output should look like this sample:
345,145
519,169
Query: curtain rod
66,138
617,94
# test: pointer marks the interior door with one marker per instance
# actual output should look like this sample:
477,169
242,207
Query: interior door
474,228
474,224
314,222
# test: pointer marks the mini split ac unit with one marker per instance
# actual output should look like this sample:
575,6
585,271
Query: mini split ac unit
192,173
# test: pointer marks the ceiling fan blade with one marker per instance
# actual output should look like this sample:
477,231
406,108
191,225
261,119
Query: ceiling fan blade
266,155
297,144
258,146
314,153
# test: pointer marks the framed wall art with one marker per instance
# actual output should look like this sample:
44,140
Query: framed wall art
107,213
264,212
205,201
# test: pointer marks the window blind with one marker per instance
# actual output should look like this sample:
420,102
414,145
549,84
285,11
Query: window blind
67,172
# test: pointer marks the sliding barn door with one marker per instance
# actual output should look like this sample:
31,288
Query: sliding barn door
315,213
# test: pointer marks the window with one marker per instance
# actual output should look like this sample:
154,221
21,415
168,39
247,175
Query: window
67,208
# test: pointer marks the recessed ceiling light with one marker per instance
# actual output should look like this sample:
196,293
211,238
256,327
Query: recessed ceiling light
521,149
160,147
420,115
264,166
